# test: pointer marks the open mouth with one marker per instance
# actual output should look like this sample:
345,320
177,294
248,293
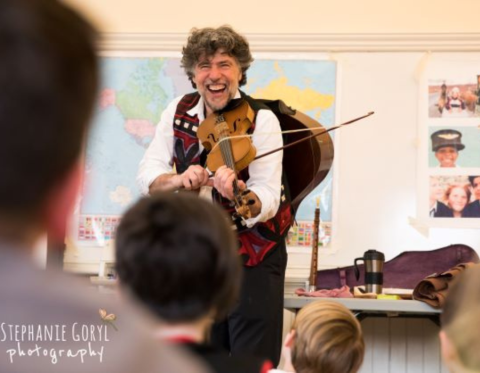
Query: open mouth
216,88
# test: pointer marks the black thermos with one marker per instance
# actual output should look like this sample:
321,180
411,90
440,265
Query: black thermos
373,271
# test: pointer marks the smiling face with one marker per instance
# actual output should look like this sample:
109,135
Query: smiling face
447,156
457,199
217,78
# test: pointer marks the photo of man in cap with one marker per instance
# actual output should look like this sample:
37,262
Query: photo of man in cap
473,209
446,144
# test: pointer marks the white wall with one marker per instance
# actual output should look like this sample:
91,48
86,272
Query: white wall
377,168
272,16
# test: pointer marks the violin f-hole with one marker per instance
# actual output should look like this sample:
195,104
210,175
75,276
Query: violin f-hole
211,136
234,125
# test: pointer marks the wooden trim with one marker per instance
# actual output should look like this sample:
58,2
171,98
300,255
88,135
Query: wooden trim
433,42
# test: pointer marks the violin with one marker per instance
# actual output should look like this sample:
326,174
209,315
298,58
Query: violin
308,156
236,153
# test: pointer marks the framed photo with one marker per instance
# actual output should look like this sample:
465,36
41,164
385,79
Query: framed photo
449,98
454,147
456,196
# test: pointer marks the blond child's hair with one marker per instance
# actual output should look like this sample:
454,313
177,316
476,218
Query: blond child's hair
328,338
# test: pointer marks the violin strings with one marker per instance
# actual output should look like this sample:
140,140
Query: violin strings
226,150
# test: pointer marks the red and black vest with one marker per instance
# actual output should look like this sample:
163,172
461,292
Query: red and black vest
256,242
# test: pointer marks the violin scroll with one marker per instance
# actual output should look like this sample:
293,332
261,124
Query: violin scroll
243,206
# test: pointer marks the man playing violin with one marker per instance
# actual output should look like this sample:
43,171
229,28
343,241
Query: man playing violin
216,62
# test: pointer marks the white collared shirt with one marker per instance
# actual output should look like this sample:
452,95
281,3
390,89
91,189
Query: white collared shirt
265,173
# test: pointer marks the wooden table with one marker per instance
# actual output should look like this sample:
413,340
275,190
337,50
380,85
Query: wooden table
371,307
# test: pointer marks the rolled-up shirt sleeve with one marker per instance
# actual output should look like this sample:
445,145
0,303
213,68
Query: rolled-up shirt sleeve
158,158
266,173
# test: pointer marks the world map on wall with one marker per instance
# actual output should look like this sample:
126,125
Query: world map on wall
133,94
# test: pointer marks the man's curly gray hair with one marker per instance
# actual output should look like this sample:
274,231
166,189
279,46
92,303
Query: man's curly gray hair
207,41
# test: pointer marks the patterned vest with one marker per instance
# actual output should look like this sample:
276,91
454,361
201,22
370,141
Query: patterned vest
254,242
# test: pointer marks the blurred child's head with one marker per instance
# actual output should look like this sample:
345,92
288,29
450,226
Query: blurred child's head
326,337
178,255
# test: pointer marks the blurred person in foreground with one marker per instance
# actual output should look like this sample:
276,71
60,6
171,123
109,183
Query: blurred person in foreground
49,322
177,254
460,319
325,337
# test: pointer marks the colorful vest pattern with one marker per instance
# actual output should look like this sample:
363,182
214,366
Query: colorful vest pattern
256,242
